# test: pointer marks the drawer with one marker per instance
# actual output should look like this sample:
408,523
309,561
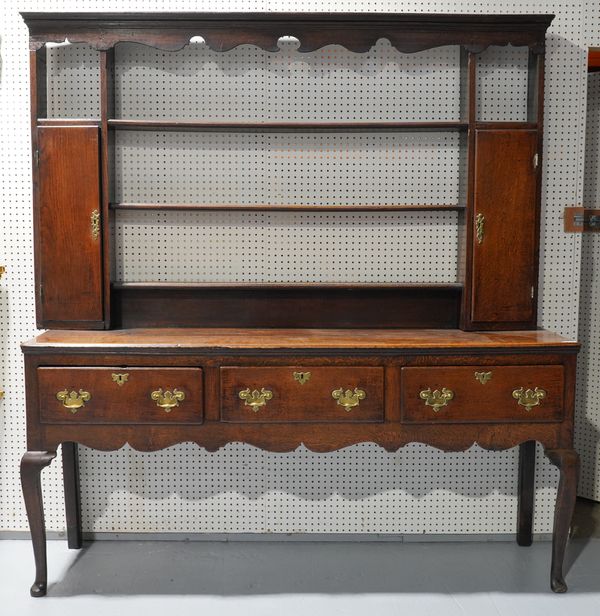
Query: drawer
482,394
120,395
302,394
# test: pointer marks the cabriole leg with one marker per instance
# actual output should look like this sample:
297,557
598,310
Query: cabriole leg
526,492
567,461
32,464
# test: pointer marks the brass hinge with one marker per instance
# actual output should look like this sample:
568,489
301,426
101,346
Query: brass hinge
36,156
536,160
532,291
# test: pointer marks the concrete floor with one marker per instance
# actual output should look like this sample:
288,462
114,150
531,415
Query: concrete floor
289,578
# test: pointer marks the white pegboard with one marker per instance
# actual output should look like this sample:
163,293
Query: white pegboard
240,488
72,85
502,84
251,84
288,168
285,247
588,373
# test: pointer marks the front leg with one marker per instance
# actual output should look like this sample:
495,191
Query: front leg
526,492
567,461
32,464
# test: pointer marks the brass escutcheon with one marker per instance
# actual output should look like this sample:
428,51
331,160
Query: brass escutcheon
120,378
480,227
301,377
72,400
483,377
348,399
95,224
436,399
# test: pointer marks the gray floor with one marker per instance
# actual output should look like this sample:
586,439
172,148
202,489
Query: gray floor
289,578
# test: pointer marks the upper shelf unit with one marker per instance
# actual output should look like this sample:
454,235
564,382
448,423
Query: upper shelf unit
461,129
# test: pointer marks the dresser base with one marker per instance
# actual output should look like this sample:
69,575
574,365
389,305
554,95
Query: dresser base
278,389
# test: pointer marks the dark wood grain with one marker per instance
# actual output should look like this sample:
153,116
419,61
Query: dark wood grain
70,464
408,32
287,207
32,464
476,402
286,305
526,493
113,403
504,262
309,402
264,126
70,268
400,341
107,157
567,461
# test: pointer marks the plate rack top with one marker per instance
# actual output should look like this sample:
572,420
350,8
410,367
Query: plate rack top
358,32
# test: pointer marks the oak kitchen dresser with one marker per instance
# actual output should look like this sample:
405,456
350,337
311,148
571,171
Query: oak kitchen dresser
278,365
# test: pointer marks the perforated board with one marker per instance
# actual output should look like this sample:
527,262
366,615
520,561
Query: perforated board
241,489
588,373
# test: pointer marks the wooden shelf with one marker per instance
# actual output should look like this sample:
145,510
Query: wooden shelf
185,125
451,286
264,304
443,207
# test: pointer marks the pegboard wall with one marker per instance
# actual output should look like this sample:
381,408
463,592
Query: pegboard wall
588,365
361,489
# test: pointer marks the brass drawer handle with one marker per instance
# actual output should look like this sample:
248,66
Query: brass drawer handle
168,400
348,399
255,399
436,399
72,400
529,397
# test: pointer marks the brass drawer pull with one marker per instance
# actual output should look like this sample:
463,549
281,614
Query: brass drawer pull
436,399
168,400
529,397
348,399
72,400
255,399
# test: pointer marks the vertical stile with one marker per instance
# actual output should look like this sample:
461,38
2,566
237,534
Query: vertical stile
107,111
467,252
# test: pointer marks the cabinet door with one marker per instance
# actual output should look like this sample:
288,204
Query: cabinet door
504,267
68,237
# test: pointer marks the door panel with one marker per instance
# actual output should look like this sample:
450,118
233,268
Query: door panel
505,231
69,251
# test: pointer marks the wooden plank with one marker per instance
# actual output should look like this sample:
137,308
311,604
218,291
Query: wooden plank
172,340
430,207
70,253
305,306
504,255
199,125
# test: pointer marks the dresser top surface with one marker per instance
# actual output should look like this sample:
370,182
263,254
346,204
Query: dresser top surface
217,338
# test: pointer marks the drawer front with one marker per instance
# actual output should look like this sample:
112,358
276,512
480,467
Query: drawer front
474,394
120,395
302,394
